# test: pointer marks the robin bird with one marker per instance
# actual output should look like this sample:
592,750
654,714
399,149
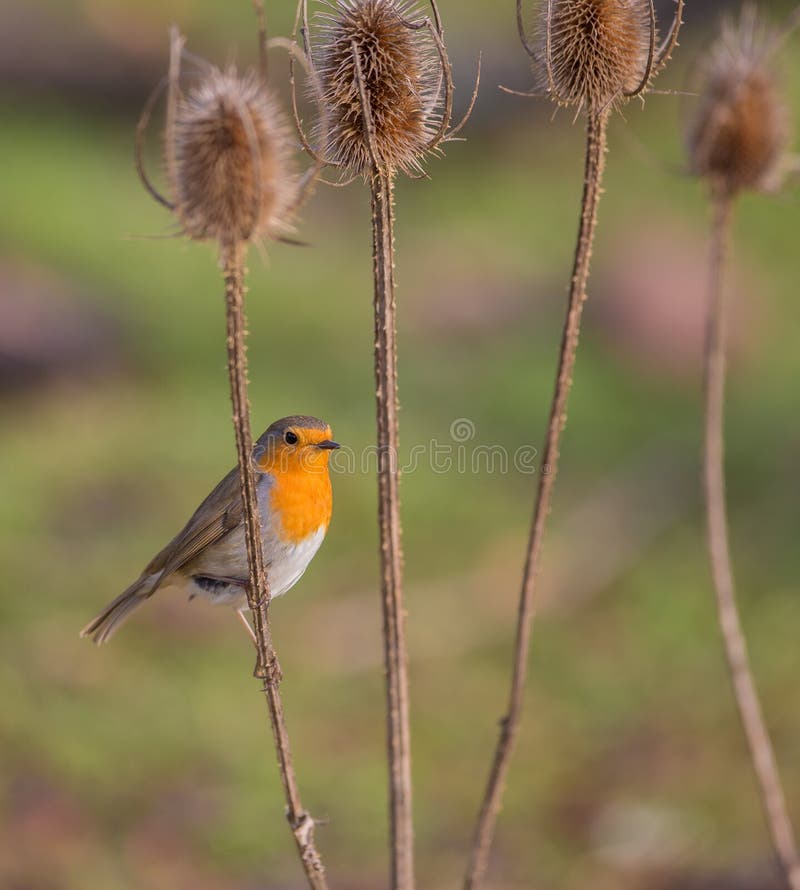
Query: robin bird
208,558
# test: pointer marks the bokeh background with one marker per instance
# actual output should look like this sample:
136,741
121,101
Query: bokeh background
148,763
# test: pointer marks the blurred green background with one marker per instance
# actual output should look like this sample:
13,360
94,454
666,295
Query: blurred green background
149,763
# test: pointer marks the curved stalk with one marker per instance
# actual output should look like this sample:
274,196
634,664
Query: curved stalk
744,688
509,725
391,556
258,596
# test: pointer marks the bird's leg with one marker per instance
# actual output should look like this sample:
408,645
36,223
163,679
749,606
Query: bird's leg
274,674
271,672
246,623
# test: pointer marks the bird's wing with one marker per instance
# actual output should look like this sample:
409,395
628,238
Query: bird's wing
219,514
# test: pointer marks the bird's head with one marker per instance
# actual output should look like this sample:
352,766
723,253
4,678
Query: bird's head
295,444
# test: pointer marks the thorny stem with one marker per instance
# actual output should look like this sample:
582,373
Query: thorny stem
492,801
391,557
258,596
744,689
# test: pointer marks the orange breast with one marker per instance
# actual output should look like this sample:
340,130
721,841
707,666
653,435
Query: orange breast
301,503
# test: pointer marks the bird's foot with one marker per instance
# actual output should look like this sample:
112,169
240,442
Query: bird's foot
271,672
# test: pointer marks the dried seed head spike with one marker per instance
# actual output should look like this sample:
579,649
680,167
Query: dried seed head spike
138,151
670,41
644,82
261,23
739,133
387,53
305,183
595,52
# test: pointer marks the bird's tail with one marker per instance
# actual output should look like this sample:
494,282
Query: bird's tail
106,623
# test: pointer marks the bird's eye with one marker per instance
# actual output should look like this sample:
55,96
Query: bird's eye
290,438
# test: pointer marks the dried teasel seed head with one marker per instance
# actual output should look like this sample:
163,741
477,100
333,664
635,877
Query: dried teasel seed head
594,52
739,133
229,159
367,54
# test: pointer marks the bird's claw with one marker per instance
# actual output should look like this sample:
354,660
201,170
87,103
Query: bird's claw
270,673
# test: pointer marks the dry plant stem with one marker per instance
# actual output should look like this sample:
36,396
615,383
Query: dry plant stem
391,557
744,690
258,597
490,808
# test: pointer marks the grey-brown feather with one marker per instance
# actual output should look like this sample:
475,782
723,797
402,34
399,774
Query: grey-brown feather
216,516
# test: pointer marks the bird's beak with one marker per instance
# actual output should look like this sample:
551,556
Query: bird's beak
328,445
